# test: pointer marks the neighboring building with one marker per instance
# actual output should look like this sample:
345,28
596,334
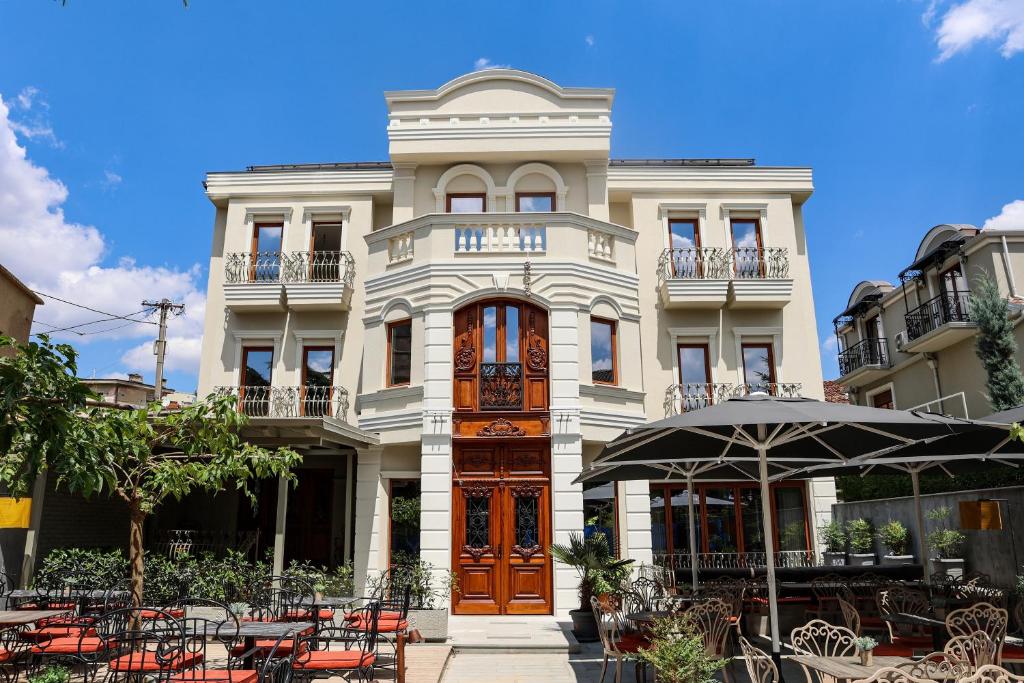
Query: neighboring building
17,307
469,323
131,391
173,400
913,344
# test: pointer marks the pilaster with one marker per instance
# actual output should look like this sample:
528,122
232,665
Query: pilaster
403,181
370,511
597,189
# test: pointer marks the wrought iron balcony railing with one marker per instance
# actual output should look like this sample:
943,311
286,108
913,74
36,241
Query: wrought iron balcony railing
299,266
870,351
781,389
756,560
713,263
283,402
936,312
681,398
501,386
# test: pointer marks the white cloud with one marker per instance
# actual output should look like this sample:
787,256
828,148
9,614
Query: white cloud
32,121
110,180
830,345
973,21
182,355
485,63
60,257
589,40
1010,218
26,98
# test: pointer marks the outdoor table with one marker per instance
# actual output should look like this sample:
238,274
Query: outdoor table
79,596
845,668
250,631
937,626
647,617
334,602
20,617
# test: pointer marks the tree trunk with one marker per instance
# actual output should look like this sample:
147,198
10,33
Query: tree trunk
138,517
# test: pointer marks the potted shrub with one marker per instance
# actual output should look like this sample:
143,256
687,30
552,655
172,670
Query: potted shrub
865,644
599,572
833,537
862,542
677,652
896,539
947,544
51,674
429,592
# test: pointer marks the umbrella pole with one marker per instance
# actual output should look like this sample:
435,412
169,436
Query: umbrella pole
769,548
915,481
693,531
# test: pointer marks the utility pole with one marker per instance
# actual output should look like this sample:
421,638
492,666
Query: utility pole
160,346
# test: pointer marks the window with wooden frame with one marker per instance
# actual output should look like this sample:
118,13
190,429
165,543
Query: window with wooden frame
883,399
684,241
404,515
527,202
317,380
399,368
266,252
602,351
601,513
695,388
748,247
257,375
465,202
759,367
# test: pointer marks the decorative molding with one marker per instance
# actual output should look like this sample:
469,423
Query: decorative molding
526,553
666,208
251,212
440,190
476,553
776,335
501,427
509,191
536,355
308,212
241,335
611,392
465,357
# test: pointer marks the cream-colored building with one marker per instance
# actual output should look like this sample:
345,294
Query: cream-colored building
17,307
912,344
466,325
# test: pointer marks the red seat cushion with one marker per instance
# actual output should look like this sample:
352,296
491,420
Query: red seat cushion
71,646
890,650
383,625
27,606
217,676
632,643
284,649
874,622
38,635
384,614
1014,652
147,661
324,660
306,614
5,655
175,612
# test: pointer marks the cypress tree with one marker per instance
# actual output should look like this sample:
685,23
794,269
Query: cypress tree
995,345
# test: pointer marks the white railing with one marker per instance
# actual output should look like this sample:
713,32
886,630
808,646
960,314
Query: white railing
284,402
757,560
299,266
719,263
601,245
514,237
781,389
680,398
400,247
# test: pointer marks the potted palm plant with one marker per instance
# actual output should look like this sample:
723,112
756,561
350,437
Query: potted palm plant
862,542
948,544
599,572
896,539
833,537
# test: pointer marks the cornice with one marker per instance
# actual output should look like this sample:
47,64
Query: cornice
503,217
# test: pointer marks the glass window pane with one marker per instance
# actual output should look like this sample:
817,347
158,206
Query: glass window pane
601,351
259,365
744,234
681,525
511,334
268,238
659,537
319,370
599,513
753,527
490,325
791,518
401,352
720,511
526,531
757,368
683,234
405,520
472,204
747,245
535,202
693,365
267,259
478,522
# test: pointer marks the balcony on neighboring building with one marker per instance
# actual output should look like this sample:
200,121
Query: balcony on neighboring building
939,323
682,398
262,401
710,277
864,362
304,280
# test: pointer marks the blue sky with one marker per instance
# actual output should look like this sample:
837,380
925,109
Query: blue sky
909,112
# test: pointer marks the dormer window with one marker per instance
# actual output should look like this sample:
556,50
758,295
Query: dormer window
464,202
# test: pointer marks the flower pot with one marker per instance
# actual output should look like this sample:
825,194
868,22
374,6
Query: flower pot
951,567
865,657
862,559
318,596
834,559
897,560
584,626
431,623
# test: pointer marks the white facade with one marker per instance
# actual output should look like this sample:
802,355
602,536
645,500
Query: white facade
599,251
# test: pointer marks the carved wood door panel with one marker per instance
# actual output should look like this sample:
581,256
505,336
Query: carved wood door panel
476,529
527,569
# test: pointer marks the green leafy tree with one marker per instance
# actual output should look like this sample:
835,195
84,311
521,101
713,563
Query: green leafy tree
995,345
141,456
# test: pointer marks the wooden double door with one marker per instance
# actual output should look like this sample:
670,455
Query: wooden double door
501,526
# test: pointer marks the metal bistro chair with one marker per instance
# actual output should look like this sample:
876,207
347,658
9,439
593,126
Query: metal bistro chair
14,653
821,639
760,667
827,590
712,620
616,641
341,650
1014,654
897,600
977,649
983,617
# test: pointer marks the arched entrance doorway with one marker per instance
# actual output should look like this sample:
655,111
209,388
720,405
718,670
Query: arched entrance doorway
501,486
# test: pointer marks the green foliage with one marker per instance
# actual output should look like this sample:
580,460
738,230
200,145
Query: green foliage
793,537
894,536
861,535
995,344
52,674
428,585
405,511
865,643
833,537
948,543
854,487
591,557
677,652
82,566
1020,586
336,582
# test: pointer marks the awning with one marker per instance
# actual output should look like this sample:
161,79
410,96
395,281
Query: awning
306,432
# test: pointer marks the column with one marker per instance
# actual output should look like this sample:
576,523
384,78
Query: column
637,525
436,443
280,524
370,497
566,447
821,496
597,189
403,181
28,563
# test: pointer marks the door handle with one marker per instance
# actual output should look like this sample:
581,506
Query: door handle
501,549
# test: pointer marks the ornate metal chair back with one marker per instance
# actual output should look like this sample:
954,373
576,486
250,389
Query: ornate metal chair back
851,617
977,649
899,600
984,617
822,639
711,619
760,666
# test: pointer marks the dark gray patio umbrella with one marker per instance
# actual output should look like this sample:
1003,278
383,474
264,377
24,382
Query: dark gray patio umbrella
756,430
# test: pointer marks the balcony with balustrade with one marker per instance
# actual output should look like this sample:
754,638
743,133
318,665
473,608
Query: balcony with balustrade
711,277
682,398
303,280
939,323
864,362
276,402
501,236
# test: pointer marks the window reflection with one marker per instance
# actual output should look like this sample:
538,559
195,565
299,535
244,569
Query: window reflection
599,512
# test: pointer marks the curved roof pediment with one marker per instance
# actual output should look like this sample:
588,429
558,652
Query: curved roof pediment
866,288
941,233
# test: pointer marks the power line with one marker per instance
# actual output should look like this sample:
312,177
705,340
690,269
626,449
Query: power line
73,328
113,316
